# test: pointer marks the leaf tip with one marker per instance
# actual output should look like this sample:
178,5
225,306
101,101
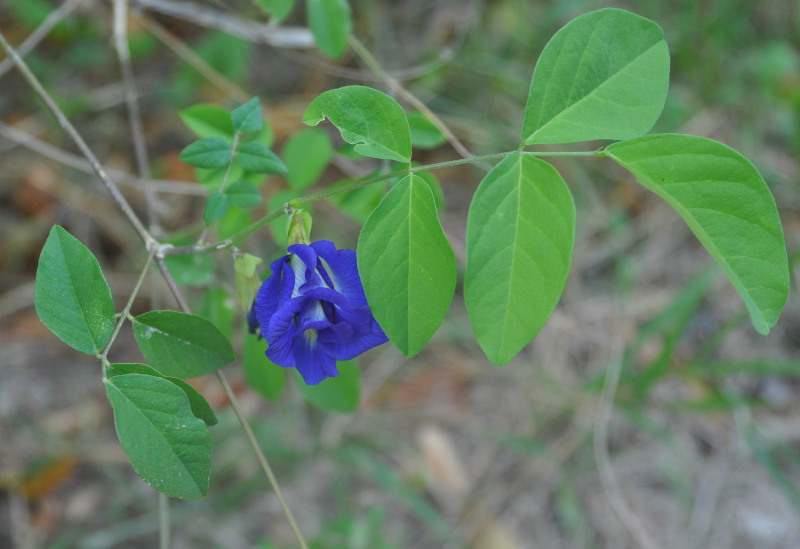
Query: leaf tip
312,116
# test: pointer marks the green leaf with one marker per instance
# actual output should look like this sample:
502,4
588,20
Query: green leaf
366,118
243,194
212,178
727,205
604,75
168,446
334,394
218,307
265,135
234,221
278,9
247,118
358,203
436,187
520,233
190,269
216,206
261,374
306,154
72,297
330,22
208,120
256,157
246,277
407,266
201,409
424,133
209,152
181,345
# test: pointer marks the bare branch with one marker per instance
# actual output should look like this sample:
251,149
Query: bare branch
134,115
195,61
73,161
282,37
604,468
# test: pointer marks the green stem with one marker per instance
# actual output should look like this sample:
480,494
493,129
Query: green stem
230,163
103,356
202,237
163,521
598,153
275,214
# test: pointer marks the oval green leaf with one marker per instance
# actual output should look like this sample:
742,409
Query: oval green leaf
190,269
233,222
260,373
168,446
727,205
424,133
209,152
219,308
181,345
335,394
407,267
520,234
604,75
72,297
216,206
200,406
243,194
306,154
330,22
207,120
256,157
247,118
277,9
371,120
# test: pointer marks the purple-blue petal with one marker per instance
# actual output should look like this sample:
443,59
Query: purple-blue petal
312,311
273,292
252,322
312,362
342,267
356,345
282,331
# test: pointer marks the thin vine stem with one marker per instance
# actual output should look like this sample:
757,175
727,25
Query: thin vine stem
123,316
120,36
279,212
230,162
164,533
265,466
202,237
395,85
608,478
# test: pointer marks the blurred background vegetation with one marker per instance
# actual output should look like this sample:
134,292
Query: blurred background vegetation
702,448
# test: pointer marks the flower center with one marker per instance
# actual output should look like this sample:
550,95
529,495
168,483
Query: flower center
311,336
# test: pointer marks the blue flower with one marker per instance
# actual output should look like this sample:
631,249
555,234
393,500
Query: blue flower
312,311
